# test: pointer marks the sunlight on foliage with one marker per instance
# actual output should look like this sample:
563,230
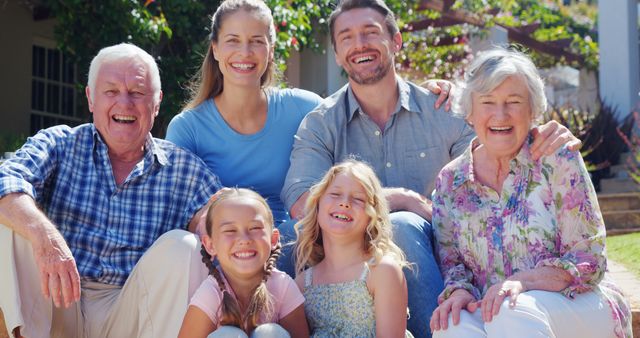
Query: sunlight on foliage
176,31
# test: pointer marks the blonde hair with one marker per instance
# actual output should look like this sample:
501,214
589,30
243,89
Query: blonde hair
260,301
377,237
208,82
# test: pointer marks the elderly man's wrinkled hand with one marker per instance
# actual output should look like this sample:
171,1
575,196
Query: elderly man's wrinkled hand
59,277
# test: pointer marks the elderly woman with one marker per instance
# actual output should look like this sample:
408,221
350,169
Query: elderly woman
521,242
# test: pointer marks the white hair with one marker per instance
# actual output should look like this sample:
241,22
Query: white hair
124,51
489,69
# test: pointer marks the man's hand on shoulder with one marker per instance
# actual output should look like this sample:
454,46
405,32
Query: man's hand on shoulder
401,199
443,89
549,137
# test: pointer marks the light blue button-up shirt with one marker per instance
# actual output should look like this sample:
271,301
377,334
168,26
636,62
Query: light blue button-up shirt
417,141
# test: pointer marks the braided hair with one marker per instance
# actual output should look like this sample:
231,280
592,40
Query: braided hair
260,301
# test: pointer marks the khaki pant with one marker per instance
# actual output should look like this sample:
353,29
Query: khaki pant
152,303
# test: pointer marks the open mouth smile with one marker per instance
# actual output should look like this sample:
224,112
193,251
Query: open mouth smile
124,118
341,217
501,130
245,254
363,57
243,66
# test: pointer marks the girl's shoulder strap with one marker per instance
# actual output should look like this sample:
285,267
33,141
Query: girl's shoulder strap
365,270
308,277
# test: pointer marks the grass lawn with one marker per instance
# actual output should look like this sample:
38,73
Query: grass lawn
625,249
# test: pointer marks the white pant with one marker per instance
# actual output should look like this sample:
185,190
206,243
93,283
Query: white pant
539,314
152,303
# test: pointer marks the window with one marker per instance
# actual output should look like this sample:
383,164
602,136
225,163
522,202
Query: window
54,99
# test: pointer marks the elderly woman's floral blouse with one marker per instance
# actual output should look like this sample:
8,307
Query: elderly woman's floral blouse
547,214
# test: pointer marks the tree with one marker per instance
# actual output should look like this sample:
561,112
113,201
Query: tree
436,41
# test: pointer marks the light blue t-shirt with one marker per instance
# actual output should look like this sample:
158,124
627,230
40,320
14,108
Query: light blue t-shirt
258,161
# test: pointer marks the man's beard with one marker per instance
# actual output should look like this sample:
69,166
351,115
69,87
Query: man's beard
370,77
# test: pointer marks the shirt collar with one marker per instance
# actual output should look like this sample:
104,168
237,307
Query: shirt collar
524,155
406,101
151,149
465,171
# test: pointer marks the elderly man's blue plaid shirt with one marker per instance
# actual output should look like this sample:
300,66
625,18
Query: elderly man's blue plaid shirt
108,227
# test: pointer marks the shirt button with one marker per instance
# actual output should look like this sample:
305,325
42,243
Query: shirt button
377,132
423,155
388,164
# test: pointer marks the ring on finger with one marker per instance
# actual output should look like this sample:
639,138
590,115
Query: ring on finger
502,292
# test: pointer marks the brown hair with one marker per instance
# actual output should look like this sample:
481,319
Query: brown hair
208,81
377,5
260,301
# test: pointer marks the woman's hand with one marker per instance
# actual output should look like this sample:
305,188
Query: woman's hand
496,294
458,300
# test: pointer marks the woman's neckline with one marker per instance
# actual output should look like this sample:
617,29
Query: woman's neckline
233,131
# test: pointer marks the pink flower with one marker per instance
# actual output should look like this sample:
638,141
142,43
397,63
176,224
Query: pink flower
573,199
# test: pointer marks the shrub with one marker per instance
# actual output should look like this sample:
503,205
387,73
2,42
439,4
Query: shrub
600,135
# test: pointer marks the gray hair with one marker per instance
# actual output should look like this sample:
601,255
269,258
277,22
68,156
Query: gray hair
124,51
489,69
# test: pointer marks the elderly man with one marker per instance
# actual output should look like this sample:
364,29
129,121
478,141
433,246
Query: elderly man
87,214
391,124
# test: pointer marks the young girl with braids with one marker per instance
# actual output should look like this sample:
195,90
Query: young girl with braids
244,293
353,283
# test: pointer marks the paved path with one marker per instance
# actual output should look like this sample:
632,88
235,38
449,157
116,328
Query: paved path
630,284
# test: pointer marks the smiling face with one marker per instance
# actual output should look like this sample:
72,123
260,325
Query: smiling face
502,118
124,104
241,237
342,208
364,47
242,49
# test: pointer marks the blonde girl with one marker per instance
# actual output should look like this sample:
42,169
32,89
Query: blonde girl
353,283
244,292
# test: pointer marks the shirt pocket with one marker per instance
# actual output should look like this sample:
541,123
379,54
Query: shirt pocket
422,165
